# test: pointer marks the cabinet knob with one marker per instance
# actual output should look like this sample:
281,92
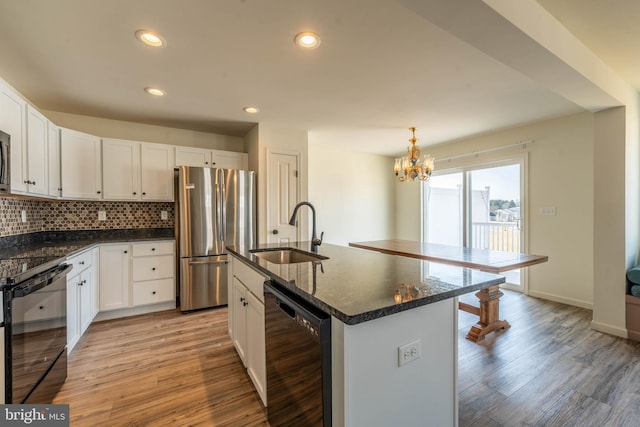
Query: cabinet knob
98,192
33,183
245,303
41,307
60,189
144,194
213,163
134,193
206,163
275,232
153,269
154,292
125,252
153,249
241,299
81,262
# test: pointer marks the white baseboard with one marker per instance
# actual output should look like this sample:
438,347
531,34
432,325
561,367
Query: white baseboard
556,298
126,312
609,329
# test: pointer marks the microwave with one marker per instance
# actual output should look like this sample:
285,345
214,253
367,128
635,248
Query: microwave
5,163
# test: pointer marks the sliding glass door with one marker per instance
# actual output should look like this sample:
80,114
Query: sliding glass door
478,207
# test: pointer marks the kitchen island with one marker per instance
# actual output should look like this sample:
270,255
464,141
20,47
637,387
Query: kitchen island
379,304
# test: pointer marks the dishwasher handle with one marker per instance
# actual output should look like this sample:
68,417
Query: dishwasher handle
297,309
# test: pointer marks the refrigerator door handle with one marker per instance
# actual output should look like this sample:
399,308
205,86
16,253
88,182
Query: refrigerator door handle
223,206
208,262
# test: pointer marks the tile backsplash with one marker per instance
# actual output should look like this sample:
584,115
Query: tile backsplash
43,215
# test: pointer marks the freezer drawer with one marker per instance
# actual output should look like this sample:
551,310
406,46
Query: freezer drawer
203,282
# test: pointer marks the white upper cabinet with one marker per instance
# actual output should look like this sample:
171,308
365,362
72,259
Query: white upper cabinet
190,156
156,175
81,165
121,169
37,176
137,170
13,113
53,154
229,160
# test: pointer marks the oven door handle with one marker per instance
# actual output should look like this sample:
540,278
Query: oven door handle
40,281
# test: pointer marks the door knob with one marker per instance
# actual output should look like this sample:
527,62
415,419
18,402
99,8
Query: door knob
275,231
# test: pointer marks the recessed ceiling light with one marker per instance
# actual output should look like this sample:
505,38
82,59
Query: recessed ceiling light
251,110
307,40
151,38
155,91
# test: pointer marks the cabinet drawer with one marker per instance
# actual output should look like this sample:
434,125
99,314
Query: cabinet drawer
153,248
80,262
153,292
249,277
153,267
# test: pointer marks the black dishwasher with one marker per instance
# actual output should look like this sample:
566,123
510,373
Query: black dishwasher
298,353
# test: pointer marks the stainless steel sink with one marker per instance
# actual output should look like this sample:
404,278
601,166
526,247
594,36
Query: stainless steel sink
286,255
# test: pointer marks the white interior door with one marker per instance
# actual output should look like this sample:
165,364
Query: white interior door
282,196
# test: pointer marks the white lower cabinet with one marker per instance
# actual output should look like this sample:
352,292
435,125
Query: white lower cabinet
82,289
246,318
137,274
114,276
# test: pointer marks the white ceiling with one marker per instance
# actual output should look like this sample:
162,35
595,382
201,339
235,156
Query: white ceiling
380,67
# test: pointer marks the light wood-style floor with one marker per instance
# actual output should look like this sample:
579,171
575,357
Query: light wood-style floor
170,369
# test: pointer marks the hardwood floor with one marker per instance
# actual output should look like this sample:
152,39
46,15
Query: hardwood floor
170,369
547,369
162,369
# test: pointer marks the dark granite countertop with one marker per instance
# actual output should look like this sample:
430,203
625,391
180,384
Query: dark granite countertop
357,285
66,243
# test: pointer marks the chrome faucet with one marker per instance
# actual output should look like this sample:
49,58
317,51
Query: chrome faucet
315,242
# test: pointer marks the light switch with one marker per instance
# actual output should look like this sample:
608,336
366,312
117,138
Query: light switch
547,211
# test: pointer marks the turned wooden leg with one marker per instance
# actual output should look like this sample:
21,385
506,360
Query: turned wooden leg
489,314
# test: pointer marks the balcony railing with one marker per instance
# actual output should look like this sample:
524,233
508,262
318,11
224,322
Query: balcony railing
496,236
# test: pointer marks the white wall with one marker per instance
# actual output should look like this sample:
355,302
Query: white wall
108,128
560,174
353,194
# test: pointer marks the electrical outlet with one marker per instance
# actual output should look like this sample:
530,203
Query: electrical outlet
408,352
23,216
164,215
102,215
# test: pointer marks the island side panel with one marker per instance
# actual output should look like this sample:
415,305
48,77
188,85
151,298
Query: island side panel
369,388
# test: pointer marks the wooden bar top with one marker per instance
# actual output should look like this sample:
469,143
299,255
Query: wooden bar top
482,259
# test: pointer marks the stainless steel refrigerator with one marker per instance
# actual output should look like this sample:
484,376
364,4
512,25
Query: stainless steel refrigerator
216,208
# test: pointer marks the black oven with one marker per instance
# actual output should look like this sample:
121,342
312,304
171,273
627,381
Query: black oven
35,316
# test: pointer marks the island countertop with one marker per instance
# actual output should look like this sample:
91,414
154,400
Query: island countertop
357,285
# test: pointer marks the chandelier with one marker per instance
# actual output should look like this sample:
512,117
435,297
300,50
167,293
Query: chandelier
410,168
